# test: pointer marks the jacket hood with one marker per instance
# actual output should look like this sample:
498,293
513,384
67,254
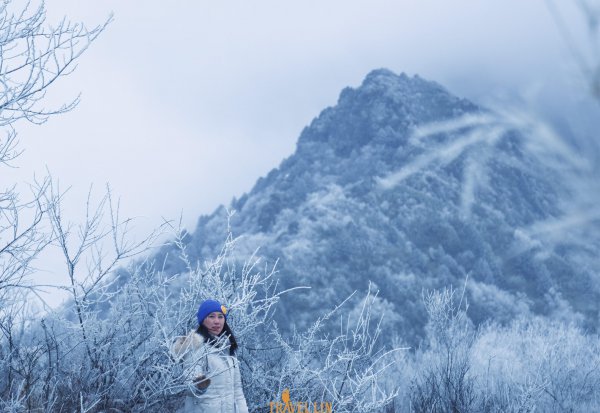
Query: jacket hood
184,344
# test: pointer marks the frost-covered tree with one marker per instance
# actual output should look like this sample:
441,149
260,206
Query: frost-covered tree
33,56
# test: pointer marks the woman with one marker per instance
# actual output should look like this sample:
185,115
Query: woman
212,370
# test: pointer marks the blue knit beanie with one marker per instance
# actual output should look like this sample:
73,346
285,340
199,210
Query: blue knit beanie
210,306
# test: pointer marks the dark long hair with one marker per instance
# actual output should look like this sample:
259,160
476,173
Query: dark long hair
210,339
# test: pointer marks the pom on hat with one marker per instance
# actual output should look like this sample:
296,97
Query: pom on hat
210,306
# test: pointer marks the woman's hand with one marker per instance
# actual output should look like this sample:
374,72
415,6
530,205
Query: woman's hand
201,382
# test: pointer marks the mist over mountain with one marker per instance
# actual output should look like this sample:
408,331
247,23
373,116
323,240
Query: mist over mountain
410,188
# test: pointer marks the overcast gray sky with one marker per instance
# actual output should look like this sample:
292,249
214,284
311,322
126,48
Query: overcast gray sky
186,103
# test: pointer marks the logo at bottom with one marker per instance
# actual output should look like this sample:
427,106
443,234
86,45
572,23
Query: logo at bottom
298,407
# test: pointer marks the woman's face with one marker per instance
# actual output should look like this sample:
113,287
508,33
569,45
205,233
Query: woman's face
214,323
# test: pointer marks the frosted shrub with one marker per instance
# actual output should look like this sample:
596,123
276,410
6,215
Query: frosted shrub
108,350
538,365
343,368
443,381
530,365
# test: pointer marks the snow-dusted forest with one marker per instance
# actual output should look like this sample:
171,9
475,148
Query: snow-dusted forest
417,253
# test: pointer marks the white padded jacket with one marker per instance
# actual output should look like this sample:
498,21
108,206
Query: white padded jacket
224,394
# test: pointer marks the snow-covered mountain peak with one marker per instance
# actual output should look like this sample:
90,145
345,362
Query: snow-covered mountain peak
406,185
